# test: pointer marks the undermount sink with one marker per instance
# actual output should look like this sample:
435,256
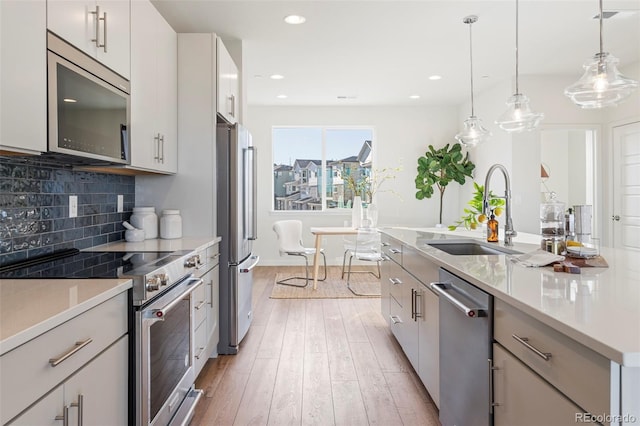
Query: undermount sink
470,249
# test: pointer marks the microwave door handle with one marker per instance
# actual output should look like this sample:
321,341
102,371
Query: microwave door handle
251,219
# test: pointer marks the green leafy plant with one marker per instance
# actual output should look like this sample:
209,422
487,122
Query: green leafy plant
438,168
473,212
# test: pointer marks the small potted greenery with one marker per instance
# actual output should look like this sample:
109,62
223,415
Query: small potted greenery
439,167
473,212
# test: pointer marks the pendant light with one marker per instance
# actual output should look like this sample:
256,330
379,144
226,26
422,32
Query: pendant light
473,132
602,85
518,117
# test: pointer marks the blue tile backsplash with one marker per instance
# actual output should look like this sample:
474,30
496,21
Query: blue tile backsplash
34,208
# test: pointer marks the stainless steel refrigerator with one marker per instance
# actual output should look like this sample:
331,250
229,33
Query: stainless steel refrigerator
236,200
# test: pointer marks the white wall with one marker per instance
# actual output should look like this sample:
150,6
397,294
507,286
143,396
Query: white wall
401,135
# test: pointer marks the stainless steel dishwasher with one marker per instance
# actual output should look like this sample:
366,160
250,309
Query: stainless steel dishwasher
465,348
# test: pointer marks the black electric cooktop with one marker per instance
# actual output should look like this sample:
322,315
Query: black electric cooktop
72,263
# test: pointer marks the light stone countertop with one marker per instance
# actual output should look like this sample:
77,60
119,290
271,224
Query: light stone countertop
30,307
185,243
600,307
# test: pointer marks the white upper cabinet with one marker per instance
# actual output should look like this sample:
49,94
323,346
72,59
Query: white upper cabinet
99,28
154,93
23,76
228,84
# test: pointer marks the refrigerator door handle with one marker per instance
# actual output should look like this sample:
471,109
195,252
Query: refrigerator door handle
244,270
251,194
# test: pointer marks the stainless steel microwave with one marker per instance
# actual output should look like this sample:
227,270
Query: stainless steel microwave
88,106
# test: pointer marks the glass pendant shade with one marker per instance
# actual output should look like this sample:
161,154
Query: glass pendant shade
473,132
518,117
601,85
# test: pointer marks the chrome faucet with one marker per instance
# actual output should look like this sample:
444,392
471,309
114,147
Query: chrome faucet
509,232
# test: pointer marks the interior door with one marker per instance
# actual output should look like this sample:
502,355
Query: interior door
626,186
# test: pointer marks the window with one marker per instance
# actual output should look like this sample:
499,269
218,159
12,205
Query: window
317,168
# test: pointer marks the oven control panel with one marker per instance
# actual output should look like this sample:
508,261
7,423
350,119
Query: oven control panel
152,279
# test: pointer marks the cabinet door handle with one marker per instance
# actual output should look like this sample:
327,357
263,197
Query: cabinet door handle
232,105
492,402
80,405
413,304
156,140
162,148
417,314
79,345
96,40
525,341
65,416
211,294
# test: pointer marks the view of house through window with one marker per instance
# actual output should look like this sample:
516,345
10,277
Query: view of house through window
317,168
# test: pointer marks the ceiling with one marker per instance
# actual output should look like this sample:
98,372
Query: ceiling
381,52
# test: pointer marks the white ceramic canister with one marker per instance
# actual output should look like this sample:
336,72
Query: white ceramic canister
145,218
170,224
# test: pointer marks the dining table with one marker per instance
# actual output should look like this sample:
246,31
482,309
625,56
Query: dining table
319,232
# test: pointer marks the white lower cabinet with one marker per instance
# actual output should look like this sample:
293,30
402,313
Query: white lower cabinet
80,366
411,309
95,395
206,309
521,397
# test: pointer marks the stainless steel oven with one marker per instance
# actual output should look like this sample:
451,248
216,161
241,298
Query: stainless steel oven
165,356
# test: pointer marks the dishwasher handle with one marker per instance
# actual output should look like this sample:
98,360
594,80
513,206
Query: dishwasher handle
445,290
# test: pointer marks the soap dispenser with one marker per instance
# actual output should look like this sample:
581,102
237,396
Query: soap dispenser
492,229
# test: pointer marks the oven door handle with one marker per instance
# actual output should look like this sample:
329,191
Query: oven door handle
159,314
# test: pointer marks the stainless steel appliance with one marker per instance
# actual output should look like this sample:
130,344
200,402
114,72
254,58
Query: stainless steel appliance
236,200
88,107
466,321
162,375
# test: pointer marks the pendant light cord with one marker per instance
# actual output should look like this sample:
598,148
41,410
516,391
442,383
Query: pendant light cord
471,63
517,86
601,44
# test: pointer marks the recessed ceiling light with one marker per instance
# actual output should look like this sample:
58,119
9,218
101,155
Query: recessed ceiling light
435,77
282,96
294,19
414,97
277,77
69,100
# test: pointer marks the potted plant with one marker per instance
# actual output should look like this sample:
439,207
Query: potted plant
473,212
438,168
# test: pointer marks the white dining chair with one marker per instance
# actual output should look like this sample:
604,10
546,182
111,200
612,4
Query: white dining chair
289,234
366,247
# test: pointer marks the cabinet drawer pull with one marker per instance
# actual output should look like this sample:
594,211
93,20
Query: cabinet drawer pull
395,281
395,251
525,341
79,345
200,305
199,354
395,319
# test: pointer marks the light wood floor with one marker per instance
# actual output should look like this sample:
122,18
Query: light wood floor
313,361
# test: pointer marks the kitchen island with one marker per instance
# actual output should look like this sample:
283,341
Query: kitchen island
596,311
